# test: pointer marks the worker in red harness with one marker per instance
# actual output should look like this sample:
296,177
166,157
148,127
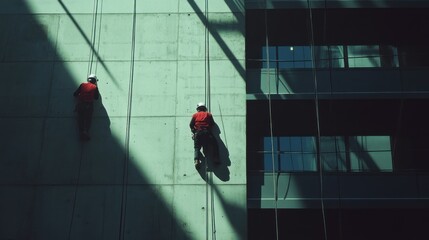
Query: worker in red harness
86,93
201,126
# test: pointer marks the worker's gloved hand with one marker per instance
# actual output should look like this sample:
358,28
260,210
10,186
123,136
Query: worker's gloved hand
193,136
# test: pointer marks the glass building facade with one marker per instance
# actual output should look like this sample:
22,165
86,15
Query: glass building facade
337,129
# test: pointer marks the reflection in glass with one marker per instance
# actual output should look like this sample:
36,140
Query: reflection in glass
370,153
291,154
363,56
337,153
272,52
337,56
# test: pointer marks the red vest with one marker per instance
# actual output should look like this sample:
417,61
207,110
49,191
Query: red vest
87,92
203,120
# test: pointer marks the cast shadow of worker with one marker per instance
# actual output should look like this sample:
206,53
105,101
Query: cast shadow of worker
98,123
102,155
208,158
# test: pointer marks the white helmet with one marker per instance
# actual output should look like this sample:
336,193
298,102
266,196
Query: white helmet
201,105
92,78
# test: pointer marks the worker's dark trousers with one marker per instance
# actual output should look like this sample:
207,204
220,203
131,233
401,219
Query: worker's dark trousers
205,139
84,115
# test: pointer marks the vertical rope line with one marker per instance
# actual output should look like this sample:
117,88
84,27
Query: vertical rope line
93,33
212,210
207,57
400,116
316,101
275,188
340,230
207,104
127,132
75,191
209,177
91,41
337,147
91,54
99,34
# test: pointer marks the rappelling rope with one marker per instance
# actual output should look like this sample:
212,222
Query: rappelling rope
93,37
90,60
92,52
275,187
99,34
127,132
316,101
75,192
208,176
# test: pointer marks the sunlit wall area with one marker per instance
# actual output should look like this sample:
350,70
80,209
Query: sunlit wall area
135,178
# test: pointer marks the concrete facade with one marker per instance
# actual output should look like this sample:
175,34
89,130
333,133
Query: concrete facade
135,179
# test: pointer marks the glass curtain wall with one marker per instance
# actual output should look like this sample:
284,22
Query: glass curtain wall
337,40
331,136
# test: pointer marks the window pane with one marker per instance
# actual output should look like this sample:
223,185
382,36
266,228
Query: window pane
309,162
370,143
358,153
268,157
267,144
321,54
285,144
303,57
334,161
308,144
286,162
272,52
381,160
332,144
295,144
333,153
337,56
370,153
286,59
294,57
297,154
376,143
363,56
297,162
268,162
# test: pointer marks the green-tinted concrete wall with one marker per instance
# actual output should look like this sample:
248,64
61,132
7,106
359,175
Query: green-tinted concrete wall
135,179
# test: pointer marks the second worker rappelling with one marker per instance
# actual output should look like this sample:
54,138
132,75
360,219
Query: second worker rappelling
201,125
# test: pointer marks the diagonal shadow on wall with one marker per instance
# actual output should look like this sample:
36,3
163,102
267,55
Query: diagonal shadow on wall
52,185
218,38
